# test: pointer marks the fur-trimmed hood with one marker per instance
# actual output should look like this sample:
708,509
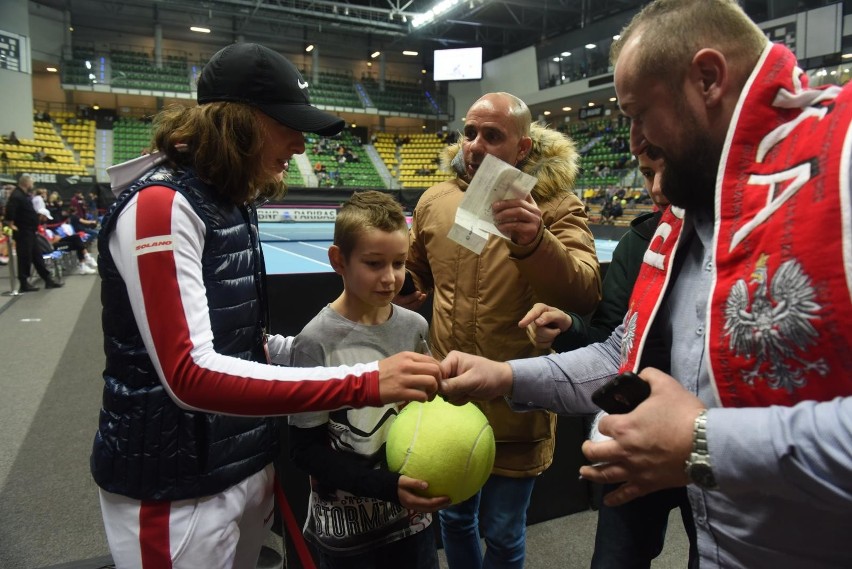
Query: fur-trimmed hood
553,160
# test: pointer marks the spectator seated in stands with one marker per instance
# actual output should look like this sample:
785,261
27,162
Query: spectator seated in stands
618,209
624,161
321,146
321,172
92,210
334,179
42,156
55,205
63,238
611,210
86,228
78,204
11,138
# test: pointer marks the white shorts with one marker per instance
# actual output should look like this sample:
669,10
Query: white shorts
224,530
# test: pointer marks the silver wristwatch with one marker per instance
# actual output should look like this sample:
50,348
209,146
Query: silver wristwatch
698,467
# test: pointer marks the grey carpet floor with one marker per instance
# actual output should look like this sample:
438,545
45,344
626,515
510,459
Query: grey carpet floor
50,387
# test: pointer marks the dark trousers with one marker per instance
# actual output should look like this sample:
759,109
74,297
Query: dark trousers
631,535
72,243
28,254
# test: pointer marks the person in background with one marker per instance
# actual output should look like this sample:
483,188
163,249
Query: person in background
548,255
62,237
85,226
344,451
188,430
78,204
39,197
633,534
756,413
21,216
5,191
55,205
92,210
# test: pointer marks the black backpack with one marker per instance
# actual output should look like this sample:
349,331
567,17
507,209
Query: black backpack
44,246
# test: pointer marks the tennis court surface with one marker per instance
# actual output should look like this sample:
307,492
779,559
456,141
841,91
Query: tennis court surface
291,247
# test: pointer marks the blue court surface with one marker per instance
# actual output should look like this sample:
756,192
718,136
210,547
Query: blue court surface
291,248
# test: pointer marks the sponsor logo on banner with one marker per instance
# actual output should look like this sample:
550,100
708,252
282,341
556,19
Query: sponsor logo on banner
296,214
45,178
39,178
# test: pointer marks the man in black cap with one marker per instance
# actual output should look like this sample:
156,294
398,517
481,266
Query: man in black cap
183,454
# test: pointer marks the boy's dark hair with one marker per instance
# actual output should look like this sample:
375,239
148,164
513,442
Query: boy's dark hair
364,211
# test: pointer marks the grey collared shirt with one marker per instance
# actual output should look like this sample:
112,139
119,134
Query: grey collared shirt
784,473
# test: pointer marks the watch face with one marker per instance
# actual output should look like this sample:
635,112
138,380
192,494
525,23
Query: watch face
701,474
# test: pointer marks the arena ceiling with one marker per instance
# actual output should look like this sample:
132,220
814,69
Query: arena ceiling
355,28
499,26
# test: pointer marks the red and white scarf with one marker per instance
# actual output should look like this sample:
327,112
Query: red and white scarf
780,311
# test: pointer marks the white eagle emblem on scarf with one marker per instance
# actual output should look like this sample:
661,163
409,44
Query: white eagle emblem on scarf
775,325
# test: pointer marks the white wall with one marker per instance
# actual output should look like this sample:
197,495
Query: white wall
47,33
16,113
823,30
515,73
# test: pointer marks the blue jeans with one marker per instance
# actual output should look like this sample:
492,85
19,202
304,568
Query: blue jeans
631,535
499,513
418,551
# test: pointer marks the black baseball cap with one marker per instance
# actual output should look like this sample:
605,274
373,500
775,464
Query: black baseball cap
258,76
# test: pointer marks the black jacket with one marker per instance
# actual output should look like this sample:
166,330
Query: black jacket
20,210
617,288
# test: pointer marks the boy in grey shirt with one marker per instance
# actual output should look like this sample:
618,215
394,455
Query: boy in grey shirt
360,514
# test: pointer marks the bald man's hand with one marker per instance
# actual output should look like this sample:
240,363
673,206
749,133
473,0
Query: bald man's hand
519,220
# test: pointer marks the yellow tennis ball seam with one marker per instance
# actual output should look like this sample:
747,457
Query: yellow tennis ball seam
474,446
409,449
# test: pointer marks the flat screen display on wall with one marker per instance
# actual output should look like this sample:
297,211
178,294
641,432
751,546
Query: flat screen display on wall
458,64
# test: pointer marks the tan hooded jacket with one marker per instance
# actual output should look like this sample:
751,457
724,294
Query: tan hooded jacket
479,299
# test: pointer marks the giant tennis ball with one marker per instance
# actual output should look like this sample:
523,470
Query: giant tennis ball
449,446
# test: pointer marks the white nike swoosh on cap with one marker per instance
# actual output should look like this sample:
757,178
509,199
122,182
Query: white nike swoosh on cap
302,84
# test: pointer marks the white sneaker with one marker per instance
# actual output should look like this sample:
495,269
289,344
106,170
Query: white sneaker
90,261
83,269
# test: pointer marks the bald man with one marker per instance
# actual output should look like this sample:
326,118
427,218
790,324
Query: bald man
548,254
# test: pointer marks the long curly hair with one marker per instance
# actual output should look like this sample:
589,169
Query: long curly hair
223,143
